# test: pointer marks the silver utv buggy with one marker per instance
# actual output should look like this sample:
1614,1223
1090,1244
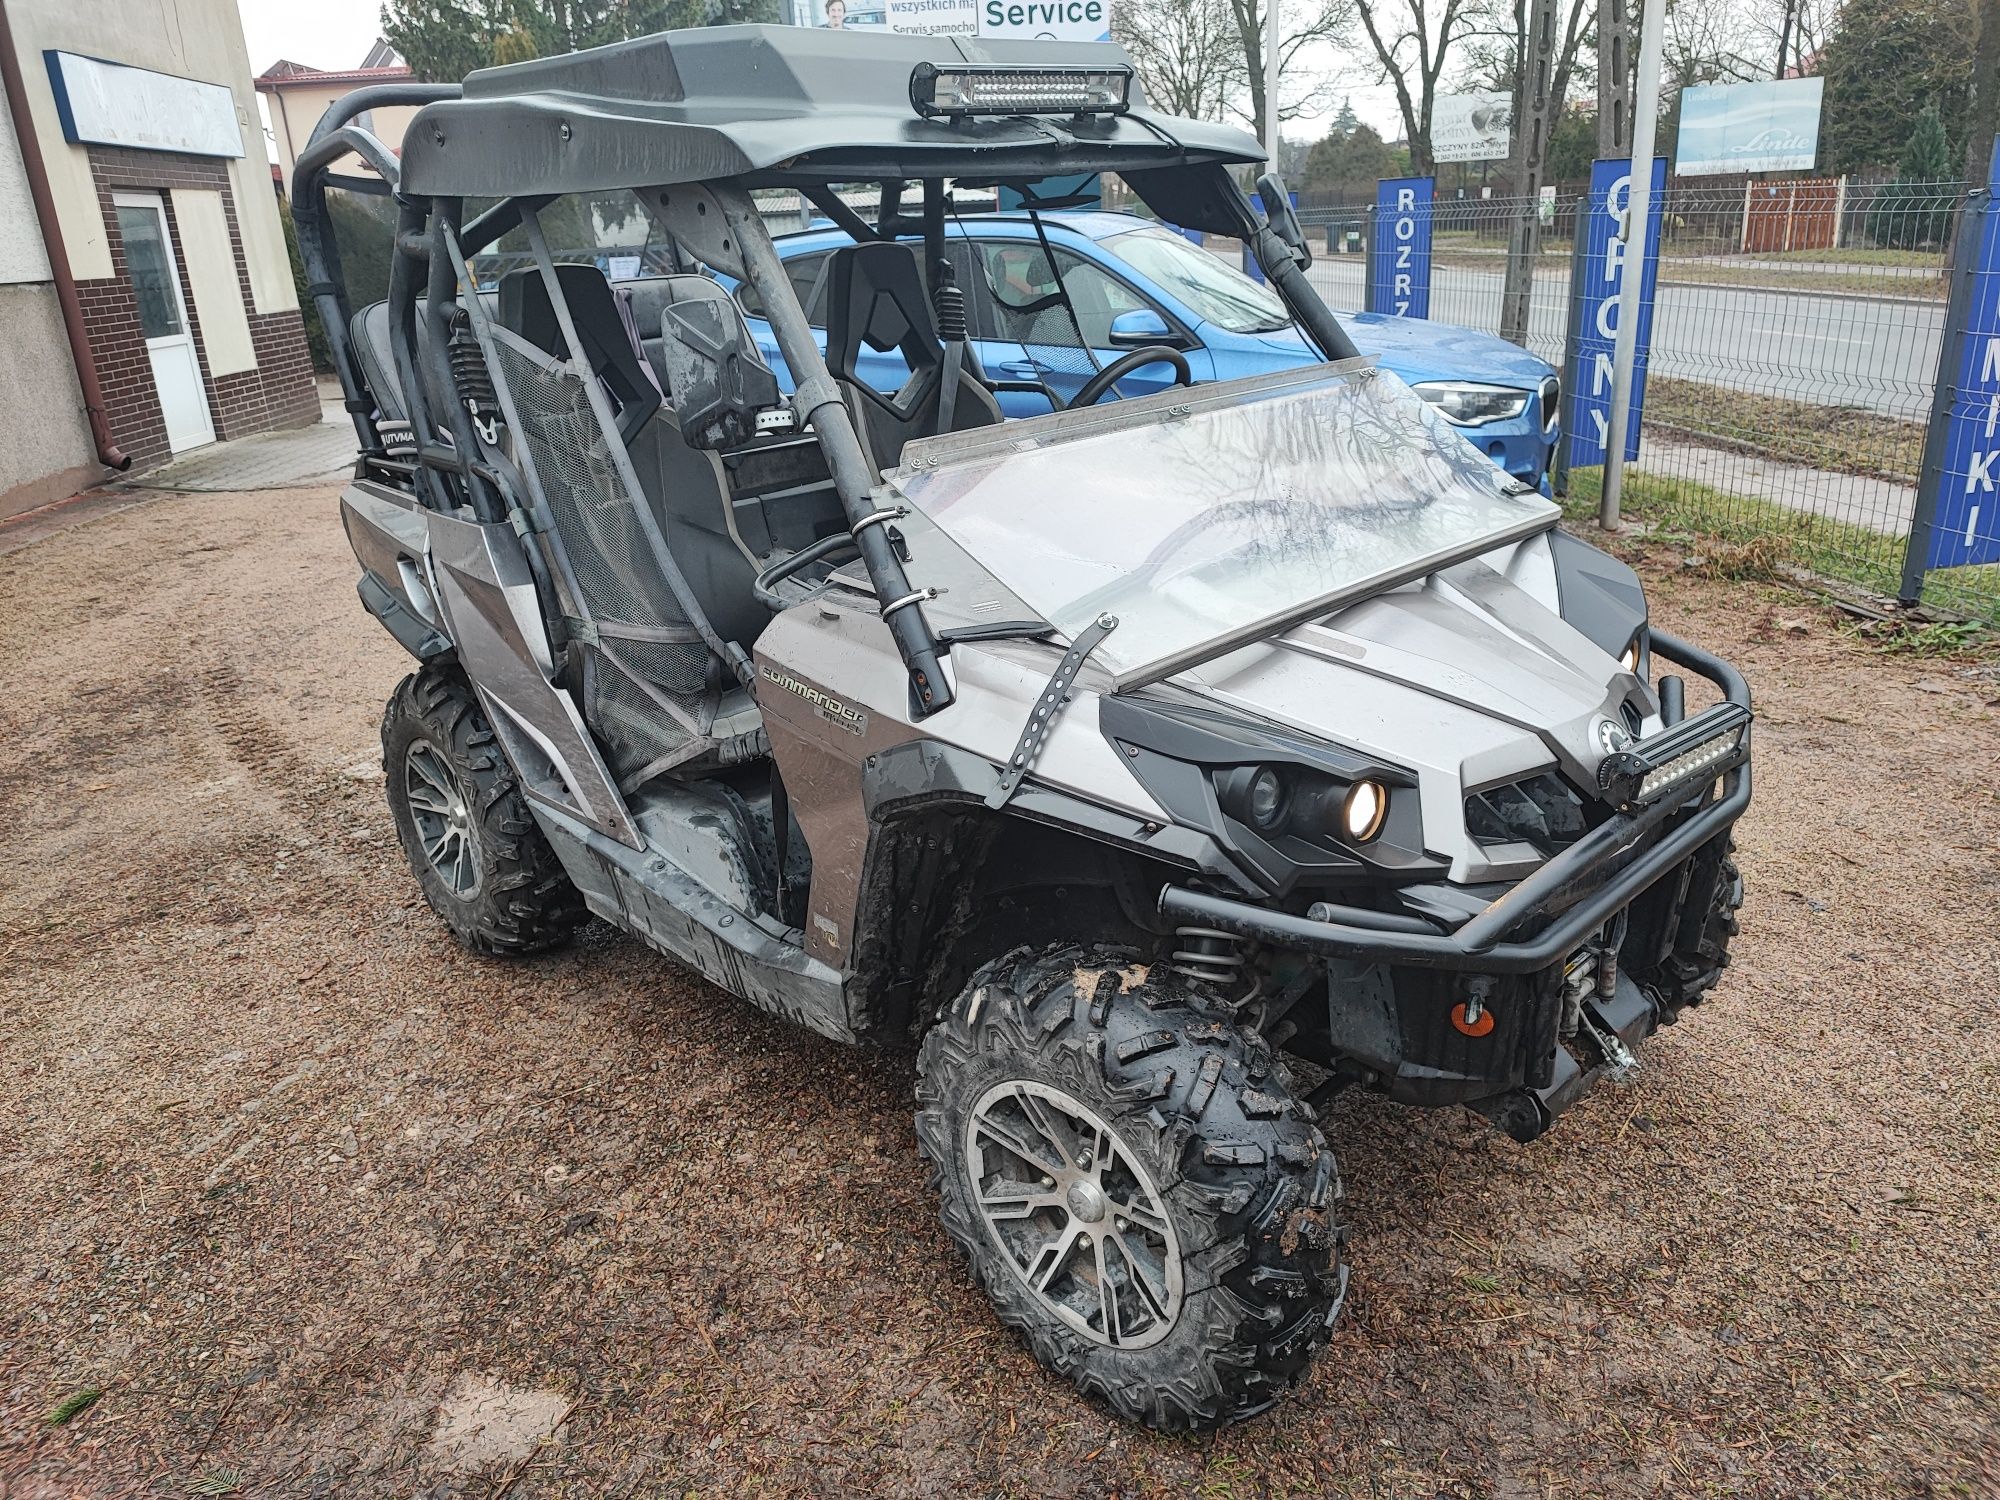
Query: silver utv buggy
1158,767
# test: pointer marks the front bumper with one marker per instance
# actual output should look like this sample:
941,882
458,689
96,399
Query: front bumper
1488,1014
1611,1028
1519,446
1574,893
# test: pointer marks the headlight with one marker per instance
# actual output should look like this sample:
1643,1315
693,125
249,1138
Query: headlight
1281,802
1472,405
1266,800
1633,657
1363,809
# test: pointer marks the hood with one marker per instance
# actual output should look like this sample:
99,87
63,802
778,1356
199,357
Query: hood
1468,679
1418,349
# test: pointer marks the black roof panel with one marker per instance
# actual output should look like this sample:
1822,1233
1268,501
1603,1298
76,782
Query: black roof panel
770,105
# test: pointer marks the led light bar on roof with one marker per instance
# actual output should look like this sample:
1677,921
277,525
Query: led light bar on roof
959,92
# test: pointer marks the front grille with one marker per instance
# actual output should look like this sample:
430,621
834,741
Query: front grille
1543,811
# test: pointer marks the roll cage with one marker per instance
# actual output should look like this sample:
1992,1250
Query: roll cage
778,107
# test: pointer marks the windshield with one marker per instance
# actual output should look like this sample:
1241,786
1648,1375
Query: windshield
1204,520
1213,290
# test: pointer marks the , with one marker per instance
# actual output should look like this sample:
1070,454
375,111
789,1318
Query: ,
1114,750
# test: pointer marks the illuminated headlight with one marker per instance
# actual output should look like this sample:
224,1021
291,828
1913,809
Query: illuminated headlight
1363,809
957,92
1629,657
1472,405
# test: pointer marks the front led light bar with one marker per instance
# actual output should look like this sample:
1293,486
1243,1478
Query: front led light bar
958,92
1691,753
1704,757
